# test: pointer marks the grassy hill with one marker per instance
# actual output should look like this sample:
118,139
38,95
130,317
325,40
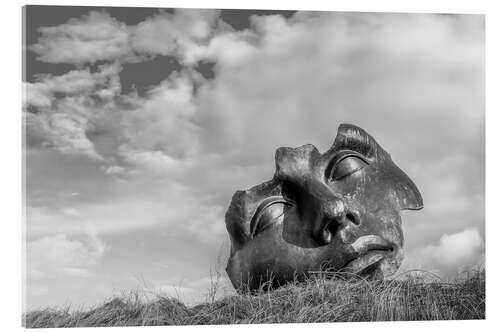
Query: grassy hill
316,300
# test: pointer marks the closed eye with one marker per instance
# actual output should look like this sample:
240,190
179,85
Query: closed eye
346,165
269,214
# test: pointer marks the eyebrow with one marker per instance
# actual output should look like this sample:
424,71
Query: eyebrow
354,138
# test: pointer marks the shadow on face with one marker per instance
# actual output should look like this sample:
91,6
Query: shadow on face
332,212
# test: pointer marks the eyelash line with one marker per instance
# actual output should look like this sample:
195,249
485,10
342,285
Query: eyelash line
341,155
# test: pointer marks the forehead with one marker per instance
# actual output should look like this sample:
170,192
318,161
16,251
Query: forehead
351,137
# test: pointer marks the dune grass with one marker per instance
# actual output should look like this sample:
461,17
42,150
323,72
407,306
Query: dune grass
317,300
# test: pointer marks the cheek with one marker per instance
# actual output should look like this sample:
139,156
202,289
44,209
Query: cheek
375,201
391,228
295,231
370,190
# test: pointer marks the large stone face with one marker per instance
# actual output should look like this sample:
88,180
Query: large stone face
336,212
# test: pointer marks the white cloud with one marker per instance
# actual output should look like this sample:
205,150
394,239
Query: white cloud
93,37
349,71
114,170
63,121
166,204
97,36
162,121
151,161
68,134
180,33
226,48
35,96
75,82
455,249
451,254
62,255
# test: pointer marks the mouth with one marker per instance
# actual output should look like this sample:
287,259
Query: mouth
365,265
369,252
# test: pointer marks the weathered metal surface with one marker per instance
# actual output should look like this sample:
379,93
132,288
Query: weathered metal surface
337,211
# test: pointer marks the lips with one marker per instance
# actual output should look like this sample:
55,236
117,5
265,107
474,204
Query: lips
369,252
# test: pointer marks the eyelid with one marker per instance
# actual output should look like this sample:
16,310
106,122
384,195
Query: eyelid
341,155
261,210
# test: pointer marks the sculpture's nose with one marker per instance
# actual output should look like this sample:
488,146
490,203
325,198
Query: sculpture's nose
318,204
326,211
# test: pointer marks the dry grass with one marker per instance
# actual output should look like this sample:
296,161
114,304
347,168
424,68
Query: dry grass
317,300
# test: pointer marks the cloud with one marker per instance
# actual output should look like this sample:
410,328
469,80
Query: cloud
76,82
160,124
99,37
68,106
344,74
93,37
181,33
60,255
455,249
168,204
452,253
65,269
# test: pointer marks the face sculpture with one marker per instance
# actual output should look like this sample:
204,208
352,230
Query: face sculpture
337,212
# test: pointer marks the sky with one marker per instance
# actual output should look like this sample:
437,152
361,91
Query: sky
141,123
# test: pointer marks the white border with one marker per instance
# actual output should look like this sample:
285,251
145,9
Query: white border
11,166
